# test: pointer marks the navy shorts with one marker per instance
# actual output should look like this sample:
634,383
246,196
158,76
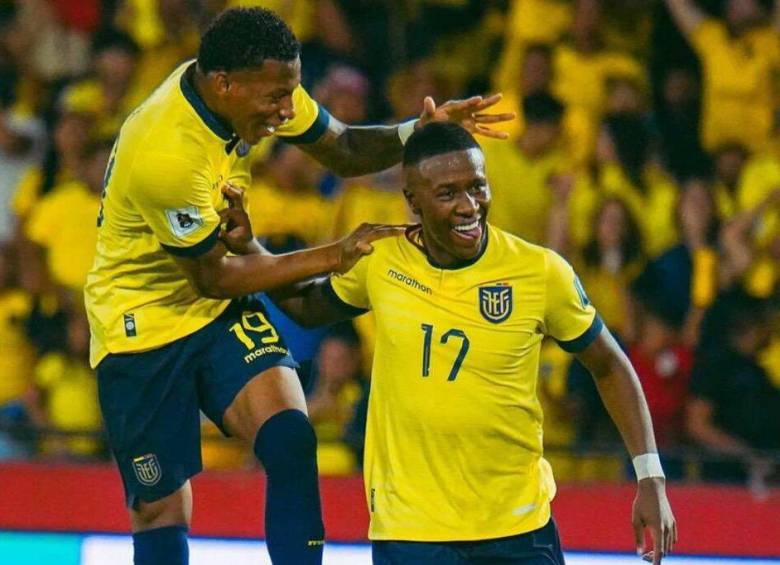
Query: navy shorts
540,547
151,401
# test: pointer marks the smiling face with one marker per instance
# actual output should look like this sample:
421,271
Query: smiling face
258,101
450,194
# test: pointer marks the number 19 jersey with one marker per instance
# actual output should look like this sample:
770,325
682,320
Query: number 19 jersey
454,436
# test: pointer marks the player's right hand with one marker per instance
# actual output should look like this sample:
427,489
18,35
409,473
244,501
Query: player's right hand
358,243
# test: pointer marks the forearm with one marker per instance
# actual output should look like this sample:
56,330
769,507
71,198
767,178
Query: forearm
351,151
686,14
230,277
718,440
621,393
306,304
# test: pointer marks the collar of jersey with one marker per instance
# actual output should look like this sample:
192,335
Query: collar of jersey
414,236
212,121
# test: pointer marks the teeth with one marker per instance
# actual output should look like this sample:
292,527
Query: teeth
271,129
468,227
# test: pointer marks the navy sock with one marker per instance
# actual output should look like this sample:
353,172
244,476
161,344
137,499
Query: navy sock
287,448
161,546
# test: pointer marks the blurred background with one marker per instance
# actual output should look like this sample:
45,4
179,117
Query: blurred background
646,151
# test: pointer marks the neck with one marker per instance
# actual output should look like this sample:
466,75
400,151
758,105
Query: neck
441,258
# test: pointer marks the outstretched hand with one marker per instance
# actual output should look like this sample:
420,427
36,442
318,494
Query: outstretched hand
652,511
358,243
469,113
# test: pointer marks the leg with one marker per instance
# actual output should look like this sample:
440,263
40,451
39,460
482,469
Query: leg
414,553
270,410
160,528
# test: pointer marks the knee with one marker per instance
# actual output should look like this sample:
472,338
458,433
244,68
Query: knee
286,442
172,510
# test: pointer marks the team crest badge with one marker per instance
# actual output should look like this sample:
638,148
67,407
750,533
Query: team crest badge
495,302
147,469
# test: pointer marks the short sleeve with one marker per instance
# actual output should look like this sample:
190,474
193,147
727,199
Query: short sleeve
708,37
310,121
174,197
351,288
569,317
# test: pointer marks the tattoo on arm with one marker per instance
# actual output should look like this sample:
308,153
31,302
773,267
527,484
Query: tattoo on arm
352,151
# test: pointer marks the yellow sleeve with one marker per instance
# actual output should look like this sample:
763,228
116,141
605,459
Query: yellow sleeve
351,288
174,197
569,317
310,121
708,37
41,226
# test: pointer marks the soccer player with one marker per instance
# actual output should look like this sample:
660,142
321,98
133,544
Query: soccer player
167,339
454,471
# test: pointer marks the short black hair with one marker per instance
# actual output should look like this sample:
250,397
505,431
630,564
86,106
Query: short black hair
437,138
242,38
542,108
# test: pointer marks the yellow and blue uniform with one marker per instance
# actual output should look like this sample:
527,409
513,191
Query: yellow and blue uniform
454,436
151,331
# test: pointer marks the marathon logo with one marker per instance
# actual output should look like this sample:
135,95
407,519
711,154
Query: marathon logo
259,352
409,281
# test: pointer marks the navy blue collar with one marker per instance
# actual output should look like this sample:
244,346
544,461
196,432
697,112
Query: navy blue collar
214,122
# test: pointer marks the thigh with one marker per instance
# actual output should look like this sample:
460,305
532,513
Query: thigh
414,553
150,407
248,373
539,547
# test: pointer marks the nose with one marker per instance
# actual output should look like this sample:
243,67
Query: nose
286,110
467,205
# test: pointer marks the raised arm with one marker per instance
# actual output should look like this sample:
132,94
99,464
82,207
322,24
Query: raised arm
687,15
359,150
619,388
312,304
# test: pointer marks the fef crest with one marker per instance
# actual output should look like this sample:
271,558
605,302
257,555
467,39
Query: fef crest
147,469
495,302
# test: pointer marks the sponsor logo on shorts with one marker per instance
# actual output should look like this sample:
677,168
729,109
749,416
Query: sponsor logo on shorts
131,330
147,469
260,351
409,281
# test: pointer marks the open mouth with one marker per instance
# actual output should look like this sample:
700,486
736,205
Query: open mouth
469,232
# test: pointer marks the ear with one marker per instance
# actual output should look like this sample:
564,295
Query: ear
412,201
220,82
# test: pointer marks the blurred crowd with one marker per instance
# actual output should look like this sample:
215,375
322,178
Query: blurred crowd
646,151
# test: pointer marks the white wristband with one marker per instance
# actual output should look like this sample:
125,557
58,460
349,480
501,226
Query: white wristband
405,130
648,465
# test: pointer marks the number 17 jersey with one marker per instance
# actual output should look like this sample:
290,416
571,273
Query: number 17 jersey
454,435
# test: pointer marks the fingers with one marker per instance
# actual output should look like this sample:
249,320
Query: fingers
382,231
230,214
489,101
234,196
494,118
429,107
487,132
658,541
639,536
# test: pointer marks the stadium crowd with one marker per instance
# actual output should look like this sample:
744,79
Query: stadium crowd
646,151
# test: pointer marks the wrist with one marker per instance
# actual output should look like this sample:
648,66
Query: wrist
648,466
332,258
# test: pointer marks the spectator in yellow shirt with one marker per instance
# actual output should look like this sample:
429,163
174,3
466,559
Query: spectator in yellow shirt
729,161
67,394
520,172
106,95
66,241
627,169
740,55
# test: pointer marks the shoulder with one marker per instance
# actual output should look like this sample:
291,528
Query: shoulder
512,247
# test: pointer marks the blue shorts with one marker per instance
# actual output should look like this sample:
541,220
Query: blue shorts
151,401
540,547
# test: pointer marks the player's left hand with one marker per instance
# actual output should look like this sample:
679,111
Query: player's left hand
236,229
652,511
469,113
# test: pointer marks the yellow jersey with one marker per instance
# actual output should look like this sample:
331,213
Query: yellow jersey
161,198
454,435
